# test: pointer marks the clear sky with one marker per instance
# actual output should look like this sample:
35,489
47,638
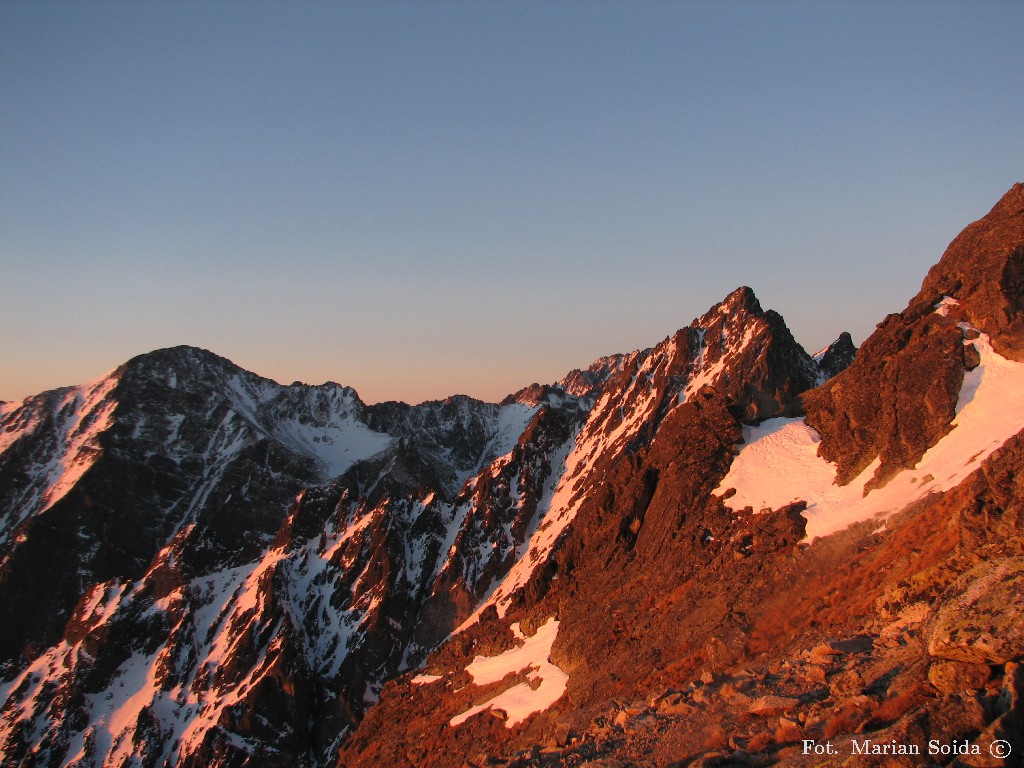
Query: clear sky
419,199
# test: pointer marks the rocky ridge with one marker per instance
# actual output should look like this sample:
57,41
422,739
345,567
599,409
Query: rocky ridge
200,566
244,573
897,399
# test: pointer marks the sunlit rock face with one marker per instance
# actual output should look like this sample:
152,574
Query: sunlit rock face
898,398
983,269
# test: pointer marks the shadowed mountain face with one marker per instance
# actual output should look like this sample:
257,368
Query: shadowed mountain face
202,567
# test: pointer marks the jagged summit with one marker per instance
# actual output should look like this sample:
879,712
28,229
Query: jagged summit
983,268
742,299
899,396
751,356
836,357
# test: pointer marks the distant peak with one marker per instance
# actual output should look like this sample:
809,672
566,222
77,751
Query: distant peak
534,394
837,356
742,296
843,342
182,354
741,301
580,383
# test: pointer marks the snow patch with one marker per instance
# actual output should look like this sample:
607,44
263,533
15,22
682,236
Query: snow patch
426,679
945,306
779,463
545,682
337,445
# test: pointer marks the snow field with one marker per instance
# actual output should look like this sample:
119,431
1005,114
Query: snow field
779,462
522,700
425,679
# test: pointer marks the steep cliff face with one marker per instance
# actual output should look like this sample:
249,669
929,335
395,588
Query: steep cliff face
983,269
896,400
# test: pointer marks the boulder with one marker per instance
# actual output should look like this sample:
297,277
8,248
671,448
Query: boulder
957,676
977,620
772,706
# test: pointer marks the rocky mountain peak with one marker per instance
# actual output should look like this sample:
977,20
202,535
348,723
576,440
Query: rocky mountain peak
182,356
742,299
170,365
837,356
749,355
983,269
899,396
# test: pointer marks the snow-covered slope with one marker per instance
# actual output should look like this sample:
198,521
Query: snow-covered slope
267,533
779,462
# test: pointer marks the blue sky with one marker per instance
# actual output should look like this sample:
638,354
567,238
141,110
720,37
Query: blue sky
419,199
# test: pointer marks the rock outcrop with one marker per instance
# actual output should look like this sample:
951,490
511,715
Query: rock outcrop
897,399
978,619
983,269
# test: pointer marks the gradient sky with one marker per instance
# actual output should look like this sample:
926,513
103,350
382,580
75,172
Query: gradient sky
419,199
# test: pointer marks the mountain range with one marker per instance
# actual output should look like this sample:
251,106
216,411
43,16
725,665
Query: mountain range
720,550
